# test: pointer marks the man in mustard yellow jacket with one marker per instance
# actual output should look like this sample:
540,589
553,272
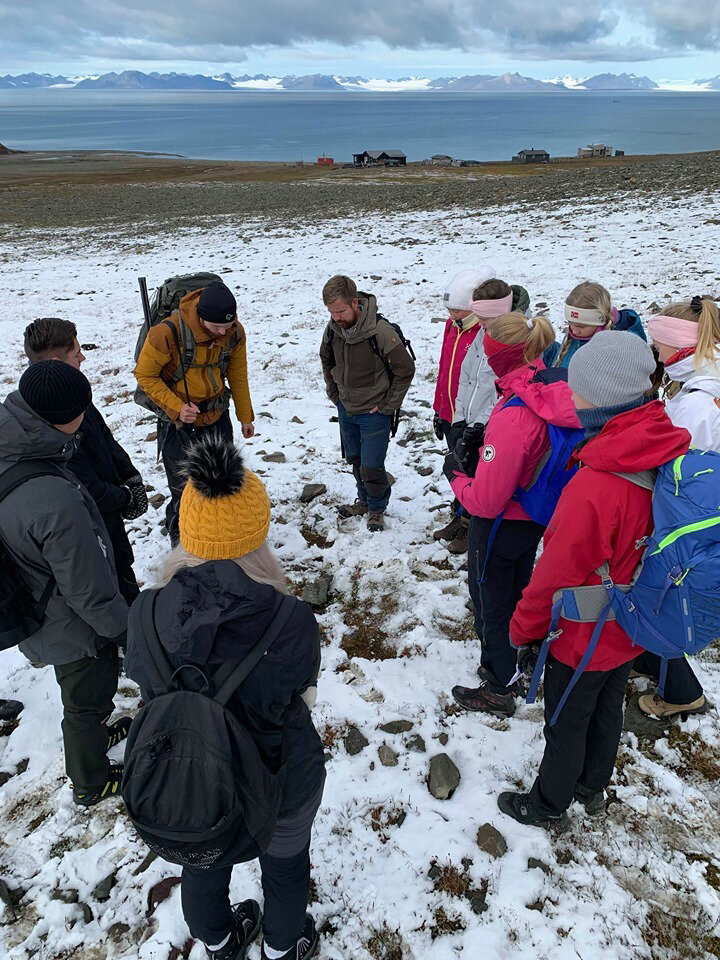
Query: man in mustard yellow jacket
189,367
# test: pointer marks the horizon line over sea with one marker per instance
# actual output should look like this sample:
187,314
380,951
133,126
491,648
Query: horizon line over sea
289,126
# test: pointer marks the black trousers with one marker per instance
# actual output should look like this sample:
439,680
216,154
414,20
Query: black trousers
87,687
173,443
580,750
124,557
508,572
681,684
451,438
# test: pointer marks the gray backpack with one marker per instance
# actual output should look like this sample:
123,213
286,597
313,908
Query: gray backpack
196,788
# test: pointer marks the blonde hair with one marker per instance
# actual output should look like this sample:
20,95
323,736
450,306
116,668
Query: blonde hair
513,328
588,296
708,321
260,565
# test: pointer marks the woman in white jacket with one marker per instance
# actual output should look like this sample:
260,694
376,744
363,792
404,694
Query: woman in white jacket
687,339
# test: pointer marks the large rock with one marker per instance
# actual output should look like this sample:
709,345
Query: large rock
355,741
644,727
317,592
311,491
396,726
444,777
491,841
278,457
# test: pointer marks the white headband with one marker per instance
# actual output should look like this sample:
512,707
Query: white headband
585,317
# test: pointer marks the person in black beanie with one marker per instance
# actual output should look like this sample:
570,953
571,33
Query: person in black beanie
189,368
54,534
98,461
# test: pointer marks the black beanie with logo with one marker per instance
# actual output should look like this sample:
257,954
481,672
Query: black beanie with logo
57,392
216,304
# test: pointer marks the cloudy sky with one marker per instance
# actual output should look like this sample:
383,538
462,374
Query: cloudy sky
665,39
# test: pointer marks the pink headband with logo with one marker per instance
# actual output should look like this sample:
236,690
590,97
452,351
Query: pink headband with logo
491,309
673,332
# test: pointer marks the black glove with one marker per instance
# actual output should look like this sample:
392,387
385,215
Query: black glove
467,449
437,427
456,431
450,467
138,498
527,657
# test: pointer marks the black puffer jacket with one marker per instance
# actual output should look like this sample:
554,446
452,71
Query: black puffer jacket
101,464
212,613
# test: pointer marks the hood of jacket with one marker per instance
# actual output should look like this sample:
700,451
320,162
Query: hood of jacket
213,607
552,402
25,436
641,439
367,322
706,378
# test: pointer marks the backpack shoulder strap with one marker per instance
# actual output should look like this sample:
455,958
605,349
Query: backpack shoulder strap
142,623
26,470
184,343
225,684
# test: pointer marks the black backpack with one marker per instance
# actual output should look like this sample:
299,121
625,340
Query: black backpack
167,300
376,350
20,614
196,788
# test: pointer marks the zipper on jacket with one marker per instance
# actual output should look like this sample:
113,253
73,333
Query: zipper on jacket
681,531
460,332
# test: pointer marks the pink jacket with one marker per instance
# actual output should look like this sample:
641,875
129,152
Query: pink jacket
515,440
455,346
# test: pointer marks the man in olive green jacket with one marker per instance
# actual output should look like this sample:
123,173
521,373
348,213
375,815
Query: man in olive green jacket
367,370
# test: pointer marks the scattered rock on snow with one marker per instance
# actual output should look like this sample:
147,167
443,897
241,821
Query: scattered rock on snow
157,500
491,841
151,436
297,420
88,346
388,757
416,743
535,864
278,457
396,726
312,490
65,896
355,741
101,893
443,738
477,901
644,727
86,911
424,471
317,591
444,777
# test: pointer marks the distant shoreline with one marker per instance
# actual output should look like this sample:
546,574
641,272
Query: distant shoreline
88,189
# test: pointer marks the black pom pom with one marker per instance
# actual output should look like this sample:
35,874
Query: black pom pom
215,467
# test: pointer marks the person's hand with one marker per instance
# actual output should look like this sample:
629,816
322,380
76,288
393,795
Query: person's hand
138,498
375,410
248,430
437,427
189,413
450,468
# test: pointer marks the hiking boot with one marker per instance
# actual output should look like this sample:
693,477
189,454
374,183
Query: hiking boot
246,926
486,678
652,705
109,790
305,947
518,806
376,521
10,710
459,544
592,800
357,509
118,730
449,531
482,700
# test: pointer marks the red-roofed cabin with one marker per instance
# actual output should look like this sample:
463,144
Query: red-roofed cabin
325,161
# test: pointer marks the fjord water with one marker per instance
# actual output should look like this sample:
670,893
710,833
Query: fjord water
238,125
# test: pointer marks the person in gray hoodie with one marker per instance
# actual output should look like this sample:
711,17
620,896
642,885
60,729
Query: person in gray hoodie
52,530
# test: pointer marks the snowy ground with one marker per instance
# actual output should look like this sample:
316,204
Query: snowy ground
642,883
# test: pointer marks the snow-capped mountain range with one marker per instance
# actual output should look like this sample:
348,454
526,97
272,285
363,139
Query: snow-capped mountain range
510,82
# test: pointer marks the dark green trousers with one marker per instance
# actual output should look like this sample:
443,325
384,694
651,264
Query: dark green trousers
87,687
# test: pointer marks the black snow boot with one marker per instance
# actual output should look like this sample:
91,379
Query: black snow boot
110,789
592,800
246,926
305,947
518,806
483,700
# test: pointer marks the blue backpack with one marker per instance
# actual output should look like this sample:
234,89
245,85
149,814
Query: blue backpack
672,606
550,478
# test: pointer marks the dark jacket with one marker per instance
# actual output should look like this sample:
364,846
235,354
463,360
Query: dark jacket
101,464
51,526
212,613
354,373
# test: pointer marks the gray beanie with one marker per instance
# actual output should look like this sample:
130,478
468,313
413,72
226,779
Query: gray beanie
613,368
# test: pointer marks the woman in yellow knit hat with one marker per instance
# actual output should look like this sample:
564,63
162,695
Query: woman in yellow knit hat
221,593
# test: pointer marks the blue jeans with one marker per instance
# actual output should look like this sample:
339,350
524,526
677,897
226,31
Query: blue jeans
365,438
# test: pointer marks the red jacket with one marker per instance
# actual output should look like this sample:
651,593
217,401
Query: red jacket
599,518
515,440
455,346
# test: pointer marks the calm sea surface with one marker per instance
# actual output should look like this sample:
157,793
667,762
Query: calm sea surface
300,126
